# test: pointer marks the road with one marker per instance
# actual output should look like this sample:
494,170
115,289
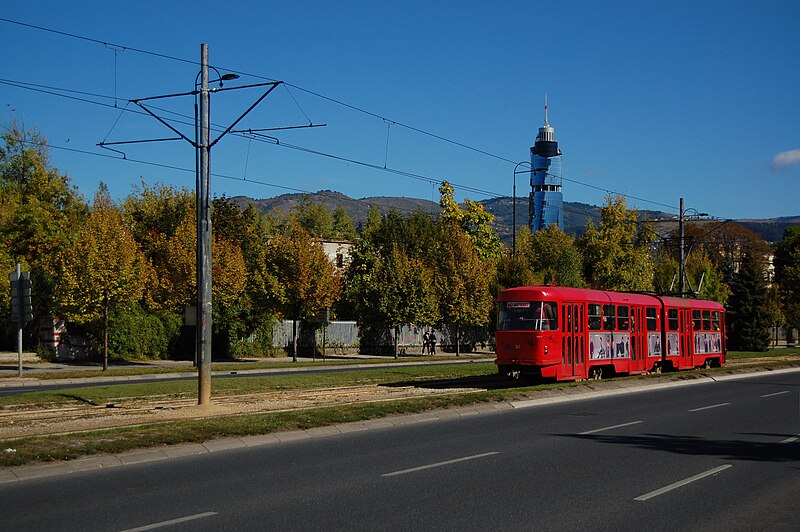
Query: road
713,456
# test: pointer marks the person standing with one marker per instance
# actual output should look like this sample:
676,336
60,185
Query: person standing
425,340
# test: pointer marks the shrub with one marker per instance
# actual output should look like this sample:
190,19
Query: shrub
137,334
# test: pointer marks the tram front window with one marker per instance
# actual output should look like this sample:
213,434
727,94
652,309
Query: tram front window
527,316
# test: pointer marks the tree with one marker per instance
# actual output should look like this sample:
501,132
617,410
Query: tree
553,256
343,228
787,274
40,211
103,268
617,254
474,220
155,213
405,292
306,281
461,280
748,308
315,218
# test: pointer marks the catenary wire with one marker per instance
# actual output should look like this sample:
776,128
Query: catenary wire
327,98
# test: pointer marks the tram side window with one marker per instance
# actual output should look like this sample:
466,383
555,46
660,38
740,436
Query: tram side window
608,317
696,320
650,313
622,318
594,317
706,320
549,316
672,319
715,320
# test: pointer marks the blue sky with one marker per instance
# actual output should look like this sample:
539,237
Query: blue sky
655,100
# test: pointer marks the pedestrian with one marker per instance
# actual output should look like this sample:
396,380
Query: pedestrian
432,344
425,340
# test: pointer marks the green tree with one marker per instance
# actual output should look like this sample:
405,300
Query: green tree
462,280
748,310
306,281
553,256
102,269
787,274
39,213
315,218
473,219
154,214
405,292
617,254
343,228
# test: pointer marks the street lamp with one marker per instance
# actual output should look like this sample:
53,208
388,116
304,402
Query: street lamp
514,205
682,272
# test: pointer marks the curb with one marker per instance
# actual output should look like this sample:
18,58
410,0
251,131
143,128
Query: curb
140,456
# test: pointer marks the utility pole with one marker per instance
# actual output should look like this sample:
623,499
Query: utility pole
203,143
682,269
204,240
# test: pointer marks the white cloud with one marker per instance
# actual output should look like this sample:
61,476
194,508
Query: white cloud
785,158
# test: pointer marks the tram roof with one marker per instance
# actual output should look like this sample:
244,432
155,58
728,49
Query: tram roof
563,293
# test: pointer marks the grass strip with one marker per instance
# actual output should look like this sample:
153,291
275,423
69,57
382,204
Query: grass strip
222,386
145,368
71,446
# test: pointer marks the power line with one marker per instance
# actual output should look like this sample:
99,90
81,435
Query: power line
330,99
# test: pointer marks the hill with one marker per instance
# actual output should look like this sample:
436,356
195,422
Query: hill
576,215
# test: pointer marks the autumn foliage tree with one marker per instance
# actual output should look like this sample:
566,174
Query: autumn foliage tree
462,280
306,281
617,253
103,268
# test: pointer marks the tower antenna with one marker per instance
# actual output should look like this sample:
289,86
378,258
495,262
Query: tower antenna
546,123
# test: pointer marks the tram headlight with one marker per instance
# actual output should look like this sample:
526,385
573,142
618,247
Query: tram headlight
545,350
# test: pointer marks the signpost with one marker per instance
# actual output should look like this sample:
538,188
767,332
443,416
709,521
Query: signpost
21,308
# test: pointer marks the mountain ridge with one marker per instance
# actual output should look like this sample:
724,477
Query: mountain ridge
576,214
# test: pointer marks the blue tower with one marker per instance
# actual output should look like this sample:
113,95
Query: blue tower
548,203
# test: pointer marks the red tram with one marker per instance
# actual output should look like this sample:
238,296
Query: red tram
572,334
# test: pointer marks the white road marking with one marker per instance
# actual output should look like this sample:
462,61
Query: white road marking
675,485
790,440
171,522
611,427
776,393
439,464
707,407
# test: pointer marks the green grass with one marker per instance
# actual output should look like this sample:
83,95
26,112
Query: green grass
783,351
221,386
145,369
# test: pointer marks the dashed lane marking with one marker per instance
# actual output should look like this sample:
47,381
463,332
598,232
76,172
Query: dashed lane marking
680,483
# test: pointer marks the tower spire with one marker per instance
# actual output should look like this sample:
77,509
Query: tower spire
546,123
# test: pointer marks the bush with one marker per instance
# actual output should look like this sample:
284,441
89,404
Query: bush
258,345
137,334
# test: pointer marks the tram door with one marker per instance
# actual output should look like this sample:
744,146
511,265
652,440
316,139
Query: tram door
579,342
638,340
572,348
687,345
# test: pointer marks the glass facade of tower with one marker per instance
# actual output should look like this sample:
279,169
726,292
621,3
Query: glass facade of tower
548,202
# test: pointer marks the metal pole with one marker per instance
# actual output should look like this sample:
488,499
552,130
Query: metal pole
682,283
20,320
204,240
514,218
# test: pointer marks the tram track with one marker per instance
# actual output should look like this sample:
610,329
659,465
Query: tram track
22,421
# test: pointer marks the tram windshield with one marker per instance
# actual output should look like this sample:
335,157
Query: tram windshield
527,316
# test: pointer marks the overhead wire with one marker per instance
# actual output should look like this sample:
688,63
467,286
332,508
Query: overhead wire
327,98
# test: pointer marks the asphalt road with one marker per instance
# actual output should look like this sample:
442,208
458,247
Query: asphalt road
714,456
